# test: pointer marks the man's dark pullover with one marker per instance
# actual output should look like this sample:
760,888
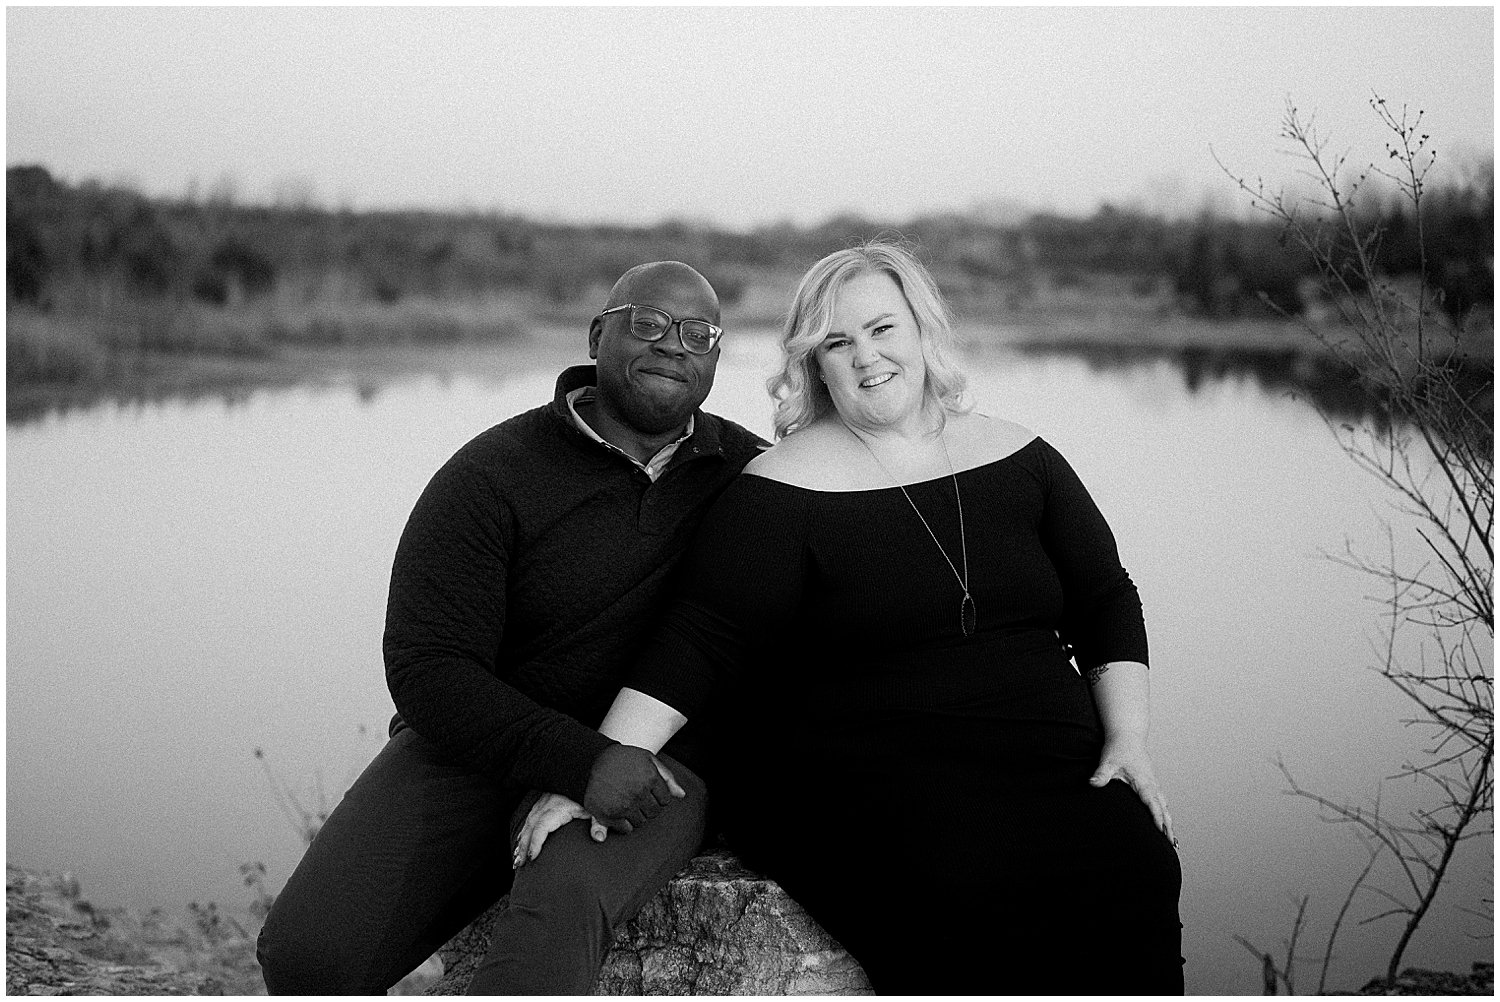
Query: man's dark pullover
533,568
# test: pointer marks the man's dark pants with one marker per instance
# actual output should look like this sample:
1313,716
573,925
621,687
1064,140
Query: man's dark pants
419,847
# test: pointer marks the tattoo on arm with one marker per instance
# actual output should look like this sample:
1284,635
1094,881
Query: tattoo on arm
1095,673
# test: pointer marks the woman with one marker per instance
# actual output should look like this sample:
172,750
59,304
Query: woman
893,592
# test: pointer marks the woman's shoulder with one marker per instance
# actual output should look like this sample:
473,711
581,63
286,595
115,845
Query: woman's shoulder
825,457
817,457
977,439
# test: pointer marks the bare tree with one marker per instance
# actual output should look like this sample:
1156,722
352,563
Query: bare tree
1431,445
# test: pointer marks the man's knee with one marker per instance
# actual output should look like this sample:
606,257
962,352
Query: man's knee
563,895
587,885
305,949
298,958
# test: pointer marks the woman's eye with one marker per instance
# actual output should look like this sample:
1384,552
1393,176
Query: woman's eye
883,328
835,343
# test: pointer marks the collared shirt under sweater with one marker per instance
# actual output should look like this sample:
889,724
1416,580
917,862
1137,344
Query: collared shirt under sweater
534,567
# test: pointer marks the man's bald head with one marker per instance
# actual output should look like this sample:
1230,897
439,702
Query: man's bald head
666,280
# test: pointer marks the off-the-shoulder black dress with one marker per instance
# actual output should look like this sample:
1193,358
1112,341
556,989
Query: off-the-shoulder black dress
925,794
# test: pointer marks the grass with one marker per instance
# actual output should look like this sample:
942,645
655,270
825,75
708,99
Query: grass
94,344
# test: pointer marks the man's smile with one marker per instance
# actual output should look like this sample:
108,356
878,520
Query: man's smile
663,372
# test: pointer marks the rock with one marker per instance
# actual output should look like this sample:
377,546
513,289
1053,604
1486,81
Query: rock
718,928
1416,981
56,945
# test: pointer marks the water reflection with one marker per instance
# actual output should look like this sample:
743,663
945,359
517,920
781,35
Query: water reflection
1318,379
1315,378
190,580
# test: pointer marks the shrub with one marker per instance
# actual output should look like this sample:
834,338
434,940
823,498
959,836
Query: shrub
40,348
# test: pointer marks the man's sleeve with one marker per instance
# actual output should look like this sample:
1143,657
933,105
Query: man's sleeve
445,618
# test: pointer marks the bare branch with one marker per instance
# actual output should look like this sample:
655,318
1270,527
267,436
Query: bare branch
1431,446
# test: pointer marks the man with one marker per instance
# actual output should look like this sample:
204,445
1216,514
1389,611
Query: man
530,572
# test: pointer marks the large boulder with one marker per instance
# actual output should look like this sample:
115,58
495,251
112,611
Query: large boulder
718,928
55,944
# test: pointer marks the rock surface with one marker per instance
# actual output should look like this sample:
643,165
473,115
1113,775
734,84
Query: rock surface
1416,981
717,929
56,945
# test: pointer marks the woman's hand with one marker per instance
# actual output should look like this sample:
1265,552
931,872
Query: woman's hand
1128,761
547,815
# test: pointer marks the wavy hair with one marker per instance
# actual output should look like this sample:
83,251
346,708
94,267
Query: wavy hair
800,397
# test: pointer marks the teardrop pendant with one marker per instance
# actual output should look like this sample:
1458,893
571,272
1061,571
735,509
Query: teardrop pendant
969,615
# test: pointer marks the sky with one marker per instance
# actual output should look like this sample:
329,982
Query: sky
736,116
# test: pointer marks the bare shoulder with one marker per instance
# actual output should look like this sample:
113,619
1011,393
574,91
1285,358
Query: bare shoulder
976,439
816,457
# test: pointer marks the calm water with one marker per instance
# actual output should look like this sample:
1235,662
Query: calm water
189,582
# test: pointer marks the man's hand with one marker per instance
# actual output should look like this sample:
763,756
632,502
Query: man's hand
627,786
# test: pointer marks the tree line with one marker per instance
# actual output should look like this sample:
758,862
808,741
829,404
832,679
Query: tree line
69,245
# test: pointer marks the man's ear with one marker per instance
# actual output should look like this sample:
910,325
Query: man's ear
596,330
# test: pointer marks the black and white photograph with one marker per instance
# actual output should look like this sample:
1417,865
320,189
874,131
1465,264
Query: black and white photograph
749,500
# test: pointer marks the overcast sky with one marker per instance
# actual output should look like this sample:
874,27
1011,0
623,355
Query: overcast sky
740,115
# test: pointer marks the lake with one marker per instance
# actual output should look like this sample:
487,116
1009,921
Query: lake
191,581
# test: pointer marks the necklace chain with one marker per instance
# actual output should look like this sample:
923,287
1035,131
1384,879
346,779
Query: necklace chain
967,617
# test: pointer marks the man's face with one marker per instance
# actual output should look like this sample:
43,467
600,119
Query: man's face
655,385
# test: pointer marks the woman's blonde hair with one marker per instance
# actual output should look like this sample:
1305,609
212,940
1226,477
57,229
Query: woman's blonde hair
800,396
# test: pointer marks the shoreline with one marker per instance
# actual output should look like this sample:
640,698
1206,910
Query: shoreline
143,377
59,943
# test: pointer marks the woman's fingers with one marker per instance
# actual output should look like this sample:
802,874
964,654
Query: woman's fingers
537,837
1143,782
597,830
545,817
672,785
1150,794
516,853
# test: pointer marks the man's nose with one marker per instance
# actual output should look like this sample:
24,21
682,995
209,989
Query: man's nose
670,343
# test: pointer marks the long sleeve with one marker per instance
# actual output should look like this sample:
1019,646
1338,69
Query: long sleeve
1102,618
445,620
744,581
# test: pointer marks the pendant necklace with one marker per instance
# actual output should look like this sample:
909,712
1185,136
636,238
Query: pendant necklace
968,615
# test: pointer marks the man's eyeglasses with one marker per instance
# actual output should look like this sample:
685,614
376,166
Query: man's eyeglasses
697,337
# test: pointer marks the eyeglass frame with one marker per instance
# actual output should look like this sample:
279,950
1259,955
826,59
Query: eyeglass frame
717,331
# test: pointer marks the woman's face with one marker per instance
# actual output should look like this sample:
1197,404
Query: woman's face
871,359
